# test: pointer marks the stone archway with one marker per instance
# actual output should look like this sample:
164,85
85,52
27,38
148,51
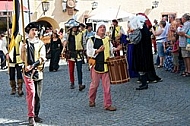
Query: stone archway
49,22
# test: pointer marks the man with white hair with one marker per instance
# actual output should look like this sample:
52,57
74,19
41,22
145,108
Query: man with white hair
99,48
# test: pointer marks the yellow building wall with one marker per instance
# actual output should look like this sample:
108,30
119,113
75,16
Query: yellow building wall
133,6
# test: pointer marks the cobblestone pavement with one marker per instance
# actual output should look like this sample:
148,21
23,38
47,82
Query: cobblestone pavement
165,103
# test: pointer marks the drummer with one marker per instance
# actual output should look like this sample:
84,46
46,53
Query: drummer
99,48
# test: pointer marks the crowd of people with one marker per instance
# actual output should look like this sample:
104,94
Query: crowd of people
172,38
80,41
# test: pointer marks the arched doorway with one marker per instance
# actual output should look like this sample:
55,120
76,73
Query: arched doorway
44,24
48,22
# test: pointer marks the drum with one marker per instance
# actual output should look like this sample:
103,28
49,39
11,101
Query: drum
118,70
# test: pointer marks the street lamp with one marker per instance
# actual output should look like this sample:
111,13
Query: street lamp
94,5
45,6
155,4
64,5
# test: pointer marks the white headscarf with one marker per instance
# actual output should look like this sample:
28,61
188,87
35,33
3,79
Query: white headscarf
137,22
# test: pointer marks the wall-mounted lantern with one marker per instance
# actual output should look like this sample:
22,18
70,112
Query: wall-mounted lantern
45,6
94,5
155,4
64,5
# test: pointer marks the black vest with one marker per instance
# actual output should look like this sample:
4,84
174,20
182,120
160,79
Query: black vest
100,57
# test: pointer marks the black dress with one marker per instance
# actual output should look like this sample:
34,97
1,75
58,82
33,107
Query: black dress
142,53
55,48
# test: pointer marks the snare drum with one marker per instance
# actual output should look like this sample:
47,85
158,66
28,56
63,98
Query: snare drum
118,70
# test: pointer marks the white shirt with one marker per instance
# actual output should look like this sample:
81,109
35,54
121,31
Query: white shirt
161,38
90,48
3,46
36,41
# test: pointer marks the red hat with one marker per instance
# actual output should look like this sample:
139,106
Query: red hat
148,23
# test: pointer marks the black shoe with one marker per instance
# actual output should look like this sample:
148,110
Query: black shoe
5,67
38,119
72,86
138,81
142,87
54,70
159,80
81,87
31,121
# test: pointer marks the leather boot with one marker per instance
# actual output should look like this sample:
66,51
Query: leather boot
19,83
13,87
81,87
144,82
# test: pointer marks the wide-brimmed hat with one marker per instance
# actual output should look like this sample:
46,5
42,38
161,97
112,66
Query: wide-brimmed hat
30,26
72,23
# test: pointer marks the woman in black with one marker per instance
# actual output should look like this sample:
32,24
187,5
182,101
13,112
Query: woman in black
55,48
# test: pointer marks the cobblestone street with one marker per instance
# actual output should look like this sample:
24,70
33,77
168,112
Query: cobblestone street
165,103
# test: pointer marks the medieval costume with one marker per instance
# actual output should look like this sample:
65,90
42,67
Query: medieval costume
142,53
33,53
116,32
15,63
99,48
74,43
55,49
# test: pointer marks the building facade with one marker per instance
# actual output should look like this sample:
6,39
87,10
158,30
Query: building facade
58,13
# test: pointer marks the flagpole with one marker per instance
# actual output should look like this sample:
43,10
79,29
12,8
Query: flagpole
6,6
22,13
23,30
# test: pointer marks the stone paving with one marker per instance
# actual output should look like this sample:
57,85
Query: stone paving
165,103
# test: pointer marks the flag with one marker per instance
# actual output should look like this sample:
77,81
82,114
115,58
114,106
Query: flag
15,27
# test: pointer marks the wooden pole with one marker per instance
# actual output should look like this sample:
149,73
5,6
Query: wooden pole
6,6
22,13
24,36
118,12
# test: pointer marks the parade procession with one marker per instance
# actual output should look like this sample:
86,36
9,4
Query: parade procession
55,54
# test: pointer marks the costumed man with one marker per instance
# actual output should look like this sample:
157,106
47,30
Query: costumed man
100,49
83,29
46,38
116,32
3,51
88,34
16,63
33,54
73,40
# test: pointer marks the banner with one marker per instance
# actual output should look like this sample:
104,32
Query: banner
15,27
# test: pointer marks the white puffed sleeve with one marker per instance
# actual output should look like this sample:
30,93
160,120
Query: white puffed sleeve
90,48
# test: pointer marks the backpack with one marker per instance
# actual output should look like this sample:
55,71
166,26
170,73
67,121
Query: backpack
135,36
